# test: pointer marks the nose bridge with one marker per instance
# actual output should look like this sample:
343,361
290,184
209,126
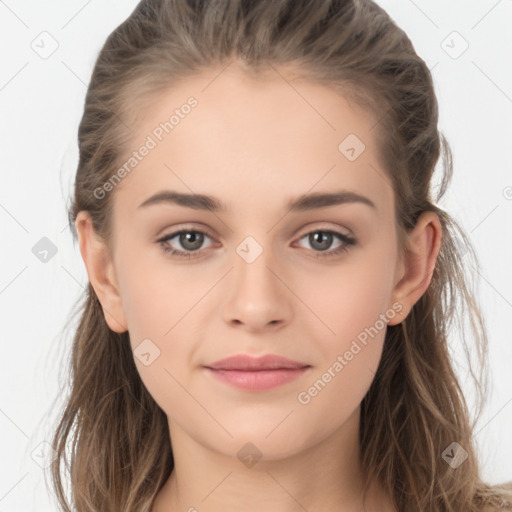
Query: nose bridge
257,297
252,267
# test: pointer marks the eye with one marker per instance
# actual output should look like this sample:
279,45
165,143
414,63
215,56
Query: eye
320,240
190,239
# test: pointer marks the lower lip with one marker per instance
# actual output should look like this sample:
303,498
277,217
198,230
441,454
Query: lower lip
258,380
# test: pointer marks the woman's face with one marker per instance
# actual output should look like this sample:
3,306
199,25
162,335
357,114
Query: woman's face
313,283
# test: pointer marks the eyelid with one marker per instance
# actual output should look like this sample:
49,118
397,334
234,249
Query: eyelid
324,226
304,231
191,226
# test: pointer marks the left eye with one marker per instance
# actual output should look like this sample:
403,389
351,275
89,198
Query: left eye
324,239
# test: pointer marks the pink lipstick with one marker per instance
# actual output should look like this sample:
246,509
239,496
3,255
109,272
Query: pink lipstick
257,374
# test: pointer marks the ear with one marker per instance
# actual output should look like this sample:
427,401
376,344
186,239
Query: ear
416,267
101,272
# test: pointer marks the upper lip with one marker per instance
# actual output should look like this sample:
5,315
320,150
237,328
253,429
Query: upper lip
249,363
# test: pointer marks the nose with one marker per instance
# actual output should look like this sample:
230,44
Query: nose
259,297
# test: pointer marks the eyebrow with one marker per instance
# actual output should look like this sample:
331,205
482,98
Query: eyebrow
302,203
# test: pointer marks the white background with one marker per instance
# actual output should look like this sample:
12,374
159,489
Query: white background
41,104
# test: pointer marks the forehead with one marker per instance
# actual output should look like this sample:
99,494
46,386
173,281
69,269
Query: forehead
271,136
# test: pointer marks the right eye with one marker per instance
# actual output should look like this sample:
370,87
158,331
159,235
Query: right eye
190,240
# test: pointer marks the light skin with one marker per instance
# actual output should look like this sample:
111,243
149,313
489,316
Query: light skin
255,146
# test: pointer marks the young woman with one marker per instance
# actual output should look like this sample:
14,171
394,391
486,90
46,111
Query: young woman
271,280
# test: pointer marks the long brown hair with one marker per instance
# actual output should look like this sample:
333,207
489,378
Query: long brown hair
117,436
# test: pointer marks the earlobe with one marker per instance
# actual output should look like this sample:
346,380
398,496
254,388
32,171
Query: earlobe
100,270
419,261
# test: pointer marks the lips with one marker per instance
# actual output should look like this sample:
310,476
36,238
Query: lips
256,374
247,363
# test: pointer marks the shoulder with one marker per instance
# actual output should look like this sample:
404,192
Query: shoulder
503,498
497,508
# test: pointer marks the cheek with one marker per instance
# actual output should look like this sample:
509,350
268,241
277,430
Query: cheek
156,318
161,303
352,302
156,293
349,357
350,297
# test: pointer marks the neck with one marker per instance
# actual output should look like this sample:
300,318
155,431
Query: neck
325,477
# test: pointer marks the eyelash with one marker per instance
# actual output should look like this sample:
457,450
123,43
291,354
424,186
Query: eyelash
347,243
